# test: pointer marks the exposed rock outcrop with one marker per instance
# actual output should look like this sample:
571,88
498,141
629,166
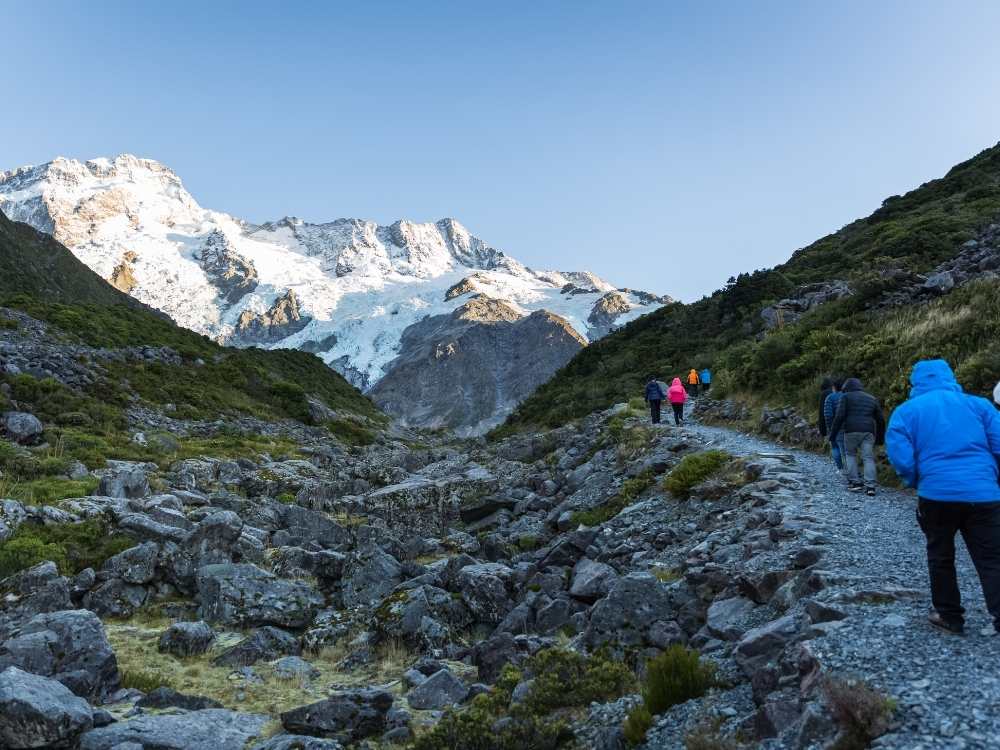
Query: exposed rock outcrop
280,320
802,300
468,370
231,272
604,313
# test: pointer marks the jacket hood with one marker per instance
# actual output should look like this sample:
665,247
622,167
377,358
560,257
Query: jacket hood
852,384
677,381
932,375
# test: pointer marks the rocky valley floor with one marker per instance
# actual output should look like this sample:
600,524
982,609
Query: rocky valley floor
534,592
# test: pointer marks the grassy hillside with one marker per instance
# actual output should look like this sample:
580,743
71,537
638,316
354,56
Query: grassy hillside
915,232
43,279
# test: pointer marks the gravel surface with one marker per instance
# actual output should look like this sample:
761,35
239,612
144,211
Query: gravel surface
947,687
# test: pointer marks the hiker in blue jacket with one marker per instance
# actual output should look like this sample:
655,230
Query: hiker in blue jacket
947,444
830,404
655,393
706,380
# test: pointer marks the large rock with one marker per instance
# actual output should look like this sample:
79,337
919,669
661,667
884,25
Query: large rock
186,638
70,647
726,618
297,742
211,729
134,565
591,580
440,690
34,591
245,595
22,427
762,644
627,615
12,515
230,272
282,319
124,479
263,644
164,697
115,598
37,712
485,590
347,717
422,616
368,577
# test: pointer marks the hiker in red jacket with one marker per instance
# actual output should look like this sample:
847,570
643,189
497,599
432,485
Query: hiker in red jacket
677,396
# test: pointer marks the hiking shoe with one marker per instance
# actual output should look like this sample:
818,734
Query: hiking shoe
953,628
870,492
855,488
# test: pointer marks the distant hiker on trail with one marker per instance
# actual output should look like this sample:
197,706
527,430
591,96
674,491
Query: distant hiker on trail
825,389
947,444
860,417
692,381
677,396
826,418
655,393
706,379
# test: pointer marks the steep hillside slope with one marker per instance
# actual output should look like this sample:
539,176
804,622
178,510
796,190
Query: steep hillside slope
135,355
347,290
914,279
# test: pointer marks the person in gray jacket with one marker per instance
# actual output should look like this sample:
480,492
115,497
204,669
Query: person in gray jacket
859,416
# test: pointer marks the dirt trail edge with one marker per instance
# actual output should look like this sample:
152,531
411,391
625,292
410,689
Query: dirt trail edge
947,688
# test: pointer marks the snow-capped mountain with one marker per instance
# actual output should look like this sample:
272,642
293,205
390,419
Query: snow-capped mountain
346,290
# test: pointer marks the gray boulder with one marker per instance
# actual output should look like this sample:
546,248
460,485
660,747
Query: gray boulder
210,729
591,580
726,618
291,667
68,646
484,588
115,598
22,427
347,717
214,539
164,697
440,690
369,577
246,595
12,515
36,712
34,591
419,616
145,528
762,644
134,565
628,613
262,644
124,479
186,638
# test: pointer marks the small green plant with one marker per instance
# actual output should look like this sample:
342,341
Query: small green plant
350,432
630,490
142,679
708,735
693,469
675,676
637,723
288,498
862,712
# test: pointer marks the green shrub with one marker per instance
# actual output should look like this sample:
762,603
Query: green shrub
862,713
71,546
675,676
350,432
49,490
565,679
637,723
143,679
693,469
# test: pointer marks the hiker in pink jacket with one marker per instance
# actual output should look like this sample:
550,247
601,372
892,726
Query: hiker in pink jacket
677,396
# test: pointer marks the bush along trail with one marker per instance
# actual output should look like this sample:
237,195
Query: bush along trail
245,583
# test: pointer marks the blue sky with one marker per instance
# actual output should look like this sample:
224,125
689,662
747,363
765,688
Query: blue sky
664,145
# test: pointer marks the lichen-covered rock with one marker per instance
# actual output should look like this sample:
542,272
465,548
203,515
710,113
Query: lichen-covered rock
209,729
235,594
635,603
22,427
485,590
368,577
347,717
125,479
186,638
37,712
262,644
440,690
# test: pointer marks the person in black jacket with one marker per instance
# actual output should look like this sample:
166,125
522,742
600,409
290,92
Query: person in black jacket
824,390
655,393
859,416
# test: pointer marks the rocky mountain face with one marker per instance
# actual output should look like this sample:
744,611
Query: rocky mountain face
472,367
346,290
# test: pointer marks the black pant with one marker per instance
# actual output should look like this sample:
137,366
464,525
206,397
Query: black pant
979,524
678,413
654,411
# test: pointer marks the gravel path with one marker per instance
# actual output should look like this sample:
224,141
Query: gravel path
947,687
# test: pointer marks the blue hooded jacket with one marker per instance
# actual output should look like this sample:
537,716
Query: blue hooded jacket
706,376
944,442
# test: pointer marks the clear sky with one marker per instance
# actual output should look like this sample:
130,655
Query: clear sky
663,145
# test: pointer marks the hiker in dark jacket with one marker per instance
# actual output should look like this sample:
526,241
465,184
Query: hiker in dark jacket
859,416
829,412
823,422
947,444
654,397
